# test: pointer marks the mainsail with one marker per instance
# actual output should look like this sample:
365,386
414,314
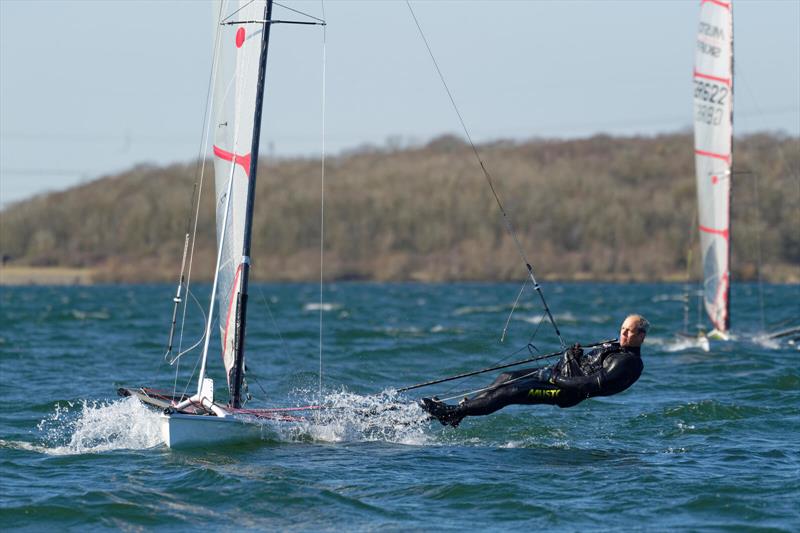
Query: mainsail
713,130
240,62
238,57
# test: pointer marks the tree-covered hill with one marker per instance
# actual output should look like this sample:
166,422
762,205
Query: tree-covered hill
600,208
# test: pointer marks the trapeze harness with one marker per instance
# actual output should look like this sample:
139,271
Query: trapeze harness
607,370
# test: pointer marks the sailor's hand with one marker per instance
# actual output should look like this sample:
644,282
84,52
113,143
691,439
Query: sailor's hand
575,352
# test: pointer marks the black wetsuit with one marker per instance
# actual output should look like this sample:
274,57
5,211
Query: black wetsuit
607,370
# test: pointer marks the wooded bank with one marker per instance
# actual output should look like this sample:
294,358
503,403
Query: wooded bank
601,208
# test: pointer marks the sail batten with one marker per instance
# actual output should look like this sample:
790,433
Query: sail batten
713,147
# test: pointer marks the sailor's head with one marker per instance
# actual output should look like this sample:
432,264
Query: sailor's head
633,331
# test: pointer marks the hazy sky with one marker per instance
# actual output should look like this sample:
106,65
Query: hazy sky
89,88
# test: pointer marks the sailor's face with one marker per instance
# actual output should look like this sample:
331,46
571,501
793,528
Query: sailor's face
629,334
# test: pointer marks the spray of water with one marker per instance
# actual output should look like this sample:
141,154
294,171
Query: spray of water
101,426
95,427
764,341
679,344
350,417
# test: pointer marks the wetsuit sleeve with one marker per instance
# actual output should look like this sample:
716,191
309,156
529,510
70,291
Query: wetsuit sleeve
620,373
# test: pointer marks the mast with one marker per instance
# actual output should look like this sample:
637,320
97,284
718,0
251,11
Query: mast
241,313
727,320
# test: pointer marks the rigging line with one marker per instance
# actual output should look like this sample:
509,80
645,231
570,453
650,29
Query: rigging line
305,14
476,372
225,20
198,188
687,291
506,219
493,387
535,331
528,346
513,308
700,296
172,329
499,367
175,379
177,299
252,376
176,305
757,209
688,285
794,172
195,345
322,193
742,78
284,346
228,208
191,377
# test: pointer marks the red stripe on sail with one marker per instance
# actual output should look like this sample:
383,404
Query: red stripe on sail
716,3
723,157
722,298
724,233
241,160
228,316
726,81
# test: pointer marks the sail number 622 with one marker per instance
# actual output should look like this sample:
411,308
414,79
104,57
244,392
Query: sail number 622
712,93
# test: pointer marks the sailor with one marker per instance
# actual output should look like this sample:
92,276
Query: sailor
607,370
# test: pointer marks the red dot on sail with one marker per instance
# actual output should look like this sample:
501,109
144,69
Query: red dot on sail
714,180
239,37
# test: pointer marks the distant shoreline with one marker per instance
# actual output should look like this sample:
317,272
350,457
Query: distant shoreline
11,276
27,275
597,209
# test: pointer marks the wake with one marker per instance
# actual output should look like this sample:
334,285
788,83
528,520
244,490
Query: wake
89,427
350,417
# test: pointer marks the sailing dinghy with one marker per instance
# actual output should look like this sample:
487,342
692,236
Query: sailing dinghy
242,40
198,419
713,149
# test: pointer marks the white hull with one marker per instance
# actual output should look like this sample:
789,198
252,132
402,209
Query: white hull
186,431
703,342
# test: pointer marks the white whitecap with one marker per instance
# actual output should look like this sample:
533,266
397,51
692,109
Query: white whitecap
350,417
317,306
95,427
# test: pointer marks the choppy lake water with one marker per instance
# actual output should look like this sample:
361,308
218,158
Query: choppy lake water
704,440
